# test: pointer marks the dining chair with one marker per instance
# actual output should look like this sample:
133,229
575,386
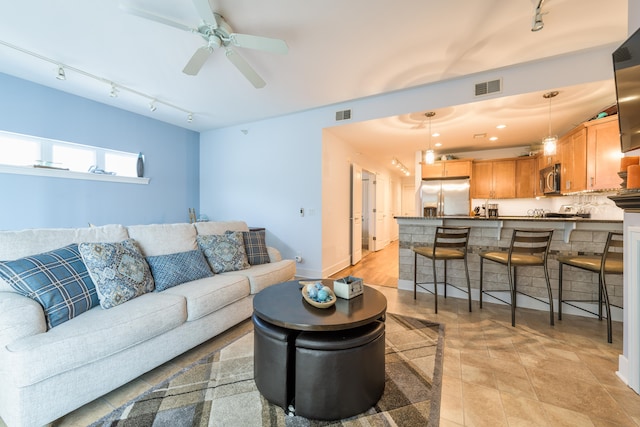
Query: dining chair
528,248
450,243
609,262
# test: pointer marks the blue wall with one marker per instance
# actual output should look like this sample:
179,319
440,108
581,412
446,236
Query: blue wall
171,155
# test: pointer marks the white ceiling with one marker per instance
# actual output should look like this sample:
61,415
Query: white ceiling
338,50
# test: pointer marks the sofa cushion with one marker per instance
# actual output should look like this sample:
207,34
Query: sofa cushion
58,280
264,275
224,252
208,295
118,270
220,227
173,269
20,243
164,239
255,246
95,335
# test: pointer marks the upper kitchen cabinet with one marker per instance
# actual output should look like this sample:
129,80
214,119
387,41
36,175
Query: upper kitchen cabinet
447,168
571,153
603,153
526,177
494,179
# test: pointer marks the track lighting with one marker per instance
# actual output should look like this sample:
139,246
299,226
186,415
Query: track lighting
400,166
61,75
115,87
537,24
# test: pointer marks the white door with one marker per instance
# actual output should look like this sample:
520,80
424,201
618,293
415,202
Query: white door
356,214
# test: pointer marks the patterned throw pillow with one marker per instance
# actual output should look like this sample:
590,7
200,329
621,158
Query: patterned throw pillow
58,280
256,247
224,252
174,269
118,270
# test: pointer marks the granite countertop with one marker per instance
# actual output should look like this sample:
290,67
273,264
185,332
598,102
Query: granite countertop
510,218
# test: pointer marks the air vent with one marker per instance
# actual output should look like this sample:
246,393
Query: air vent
486,88
343,115
622,54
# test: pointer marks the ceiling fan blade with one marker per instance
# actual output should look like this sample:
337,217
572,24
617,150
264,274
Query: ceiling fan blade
205,12
150,16
245,68
260,43
197,61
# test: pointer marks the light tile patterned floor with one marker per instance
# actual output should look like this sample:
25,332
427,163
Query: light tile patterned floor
494,374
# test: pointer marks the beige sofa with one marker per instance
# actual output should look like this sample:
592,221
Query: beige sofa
49,373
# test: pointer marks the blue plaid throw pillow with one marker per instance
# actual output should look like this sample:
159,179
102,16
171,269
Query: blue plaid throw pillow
255,246
174,269
58,280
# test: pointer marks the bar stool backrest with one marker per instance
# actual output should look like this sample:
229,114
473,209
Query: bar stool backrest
612,251
452,238
531,241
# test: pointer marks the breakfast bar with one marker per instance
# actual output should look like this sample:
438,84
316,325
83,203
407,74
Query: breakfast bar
571,236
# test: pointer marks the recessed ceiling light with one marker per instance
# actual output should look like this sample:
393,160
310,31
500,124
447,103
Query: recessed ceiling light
435,134
438,144
493,138
501,126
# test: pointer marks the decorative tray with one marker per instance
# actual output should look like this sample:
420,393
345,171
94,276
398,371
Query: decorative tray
316,303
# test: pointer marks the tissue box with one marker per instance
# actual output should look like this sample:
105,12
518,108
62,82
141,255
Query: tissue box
348,287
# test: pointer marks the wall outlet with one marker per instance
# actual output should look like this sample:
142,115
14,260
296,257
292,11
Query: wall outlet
298,259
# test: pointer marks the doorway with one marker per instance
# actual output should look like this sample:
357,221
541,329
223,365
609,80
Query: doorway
368,231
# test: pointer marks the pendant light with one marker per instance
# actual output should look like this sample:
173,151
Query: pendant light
549,142
430,156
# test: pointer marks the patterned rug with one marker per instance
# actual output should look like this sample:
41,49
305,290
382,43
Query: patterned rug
219,390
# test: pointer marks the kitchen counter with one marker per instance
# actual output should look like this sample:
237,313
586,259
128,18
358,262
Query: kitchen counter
511,218
571,236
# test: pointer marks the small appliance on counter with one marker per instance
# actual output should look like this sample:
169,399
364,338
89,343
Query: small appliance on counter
492,210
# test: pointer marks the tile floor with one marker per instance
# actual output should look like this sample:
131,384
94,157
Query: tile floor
494,374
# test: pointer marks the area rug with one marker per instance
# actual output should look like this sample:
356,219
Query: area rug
219,390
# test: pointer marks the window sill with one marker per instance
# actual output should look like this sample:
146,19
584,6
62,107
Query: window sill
57,173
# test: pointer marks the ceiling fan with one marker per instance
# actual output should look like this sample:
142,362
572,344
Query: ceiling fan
217,33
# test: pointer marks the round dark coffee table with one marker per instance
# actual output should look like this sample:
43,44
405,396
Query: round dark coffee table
320,363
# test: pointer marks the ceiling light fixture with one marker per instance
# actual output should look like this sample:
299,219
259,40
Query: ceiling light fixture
430,156
549,142
61,75
189,117
537,24
114,91
152,106
400,166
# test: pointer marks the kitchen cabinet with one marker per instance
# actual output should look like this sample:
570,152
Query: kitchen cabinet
572,156
447,168
527,177
494,179
603,153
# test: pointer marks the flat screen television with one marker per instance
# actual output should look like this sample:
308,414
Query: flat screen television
626,67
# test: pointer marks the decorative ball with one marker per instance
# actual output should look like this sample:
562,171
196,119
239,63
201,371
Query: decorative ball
322,295
327,289
318,285
312,291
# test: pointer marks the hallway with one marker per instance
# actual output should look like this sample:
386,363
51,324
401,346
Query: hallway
379,268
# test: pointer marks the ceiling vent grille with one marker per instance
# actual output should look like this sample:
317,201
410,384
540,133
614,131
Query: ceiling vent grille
486,88
622,54
343,115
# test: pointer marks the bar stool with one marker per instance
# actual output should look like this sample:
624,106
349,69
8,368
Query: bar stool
449,243
610,262
528,248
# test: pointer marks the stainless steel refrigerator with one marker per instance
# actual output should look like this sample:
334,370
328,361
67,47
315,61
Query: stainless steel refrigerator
445,197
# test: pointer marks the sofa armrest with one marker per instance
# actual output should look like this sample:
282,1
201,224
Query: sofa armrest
19,317
274,254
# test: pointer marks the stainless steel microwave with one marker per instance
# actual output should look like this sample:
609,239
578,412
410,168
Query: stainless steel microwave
550,180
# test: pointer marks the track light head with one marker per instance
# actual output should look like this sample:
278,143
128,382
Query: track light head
152,106
537,23
190,118
114,91
61,75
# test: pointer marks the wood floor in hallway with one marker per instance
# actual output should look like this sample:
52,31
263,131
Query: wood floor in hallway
379,268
